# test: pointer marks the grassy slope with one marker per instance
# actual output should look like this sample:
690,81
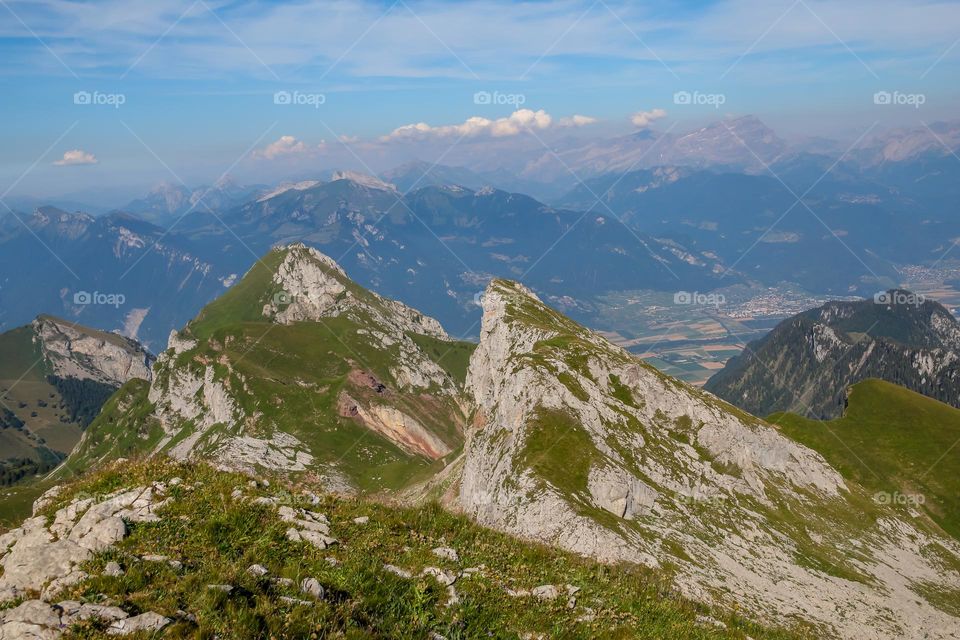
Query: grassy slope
23,390
217,537
123,428
892,441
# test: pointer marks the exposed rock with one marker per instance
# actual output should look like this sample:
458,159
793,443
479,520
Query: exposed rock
39,620
446,553
312,587
149,621
314,284
154,557
308,526
620,493
112,569
444,577
87,354
46,498
257,570
673,463
41,558
395,425
397,571
225,588
546,592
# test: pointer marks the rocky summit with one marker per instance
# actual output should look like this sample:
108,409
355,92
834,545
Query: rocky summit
298,370
326,395
576,443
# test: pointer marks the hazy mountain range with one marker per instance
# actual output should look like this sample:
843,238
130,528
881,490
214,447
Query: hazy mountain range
704,213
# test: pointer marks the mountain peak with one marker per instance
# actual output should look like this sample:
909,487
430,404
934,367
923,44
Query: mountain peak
897,336
364,180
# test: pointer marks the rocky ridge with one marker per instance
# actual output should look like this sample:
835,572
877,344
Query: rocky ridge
44,557
573,443
577,444
207,405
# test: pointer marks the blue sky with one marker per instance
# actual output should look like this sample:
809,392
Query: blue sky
197,78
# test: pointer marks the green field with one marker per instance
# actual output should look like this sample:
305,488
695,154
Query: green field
901,445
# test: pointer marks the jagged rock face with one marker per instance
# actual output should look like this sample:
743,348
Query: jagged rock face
578,444
77,352
373,376
808,362
316,288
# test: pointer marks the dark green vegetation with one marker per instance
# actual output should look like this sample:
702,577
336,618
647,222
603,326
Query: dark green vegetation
806,364
217,537
125,427
13,470
82,399
896,443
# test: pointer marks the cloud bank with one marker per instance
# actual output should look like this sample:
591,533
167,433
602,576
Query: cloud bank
644,119
74,157
517,122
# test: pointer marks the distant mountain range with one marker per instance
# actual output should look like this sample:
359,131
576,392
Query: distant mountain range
700,216
113,272
808,362
167,202
435,247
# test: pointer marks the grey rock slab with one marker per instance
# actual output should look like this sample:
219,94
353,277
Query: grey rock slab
148,621
311,587
447,554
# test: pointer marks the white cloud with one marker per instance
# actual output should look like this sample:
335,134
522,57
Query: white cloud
576,120
517,122
286,146
645,118
76,156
